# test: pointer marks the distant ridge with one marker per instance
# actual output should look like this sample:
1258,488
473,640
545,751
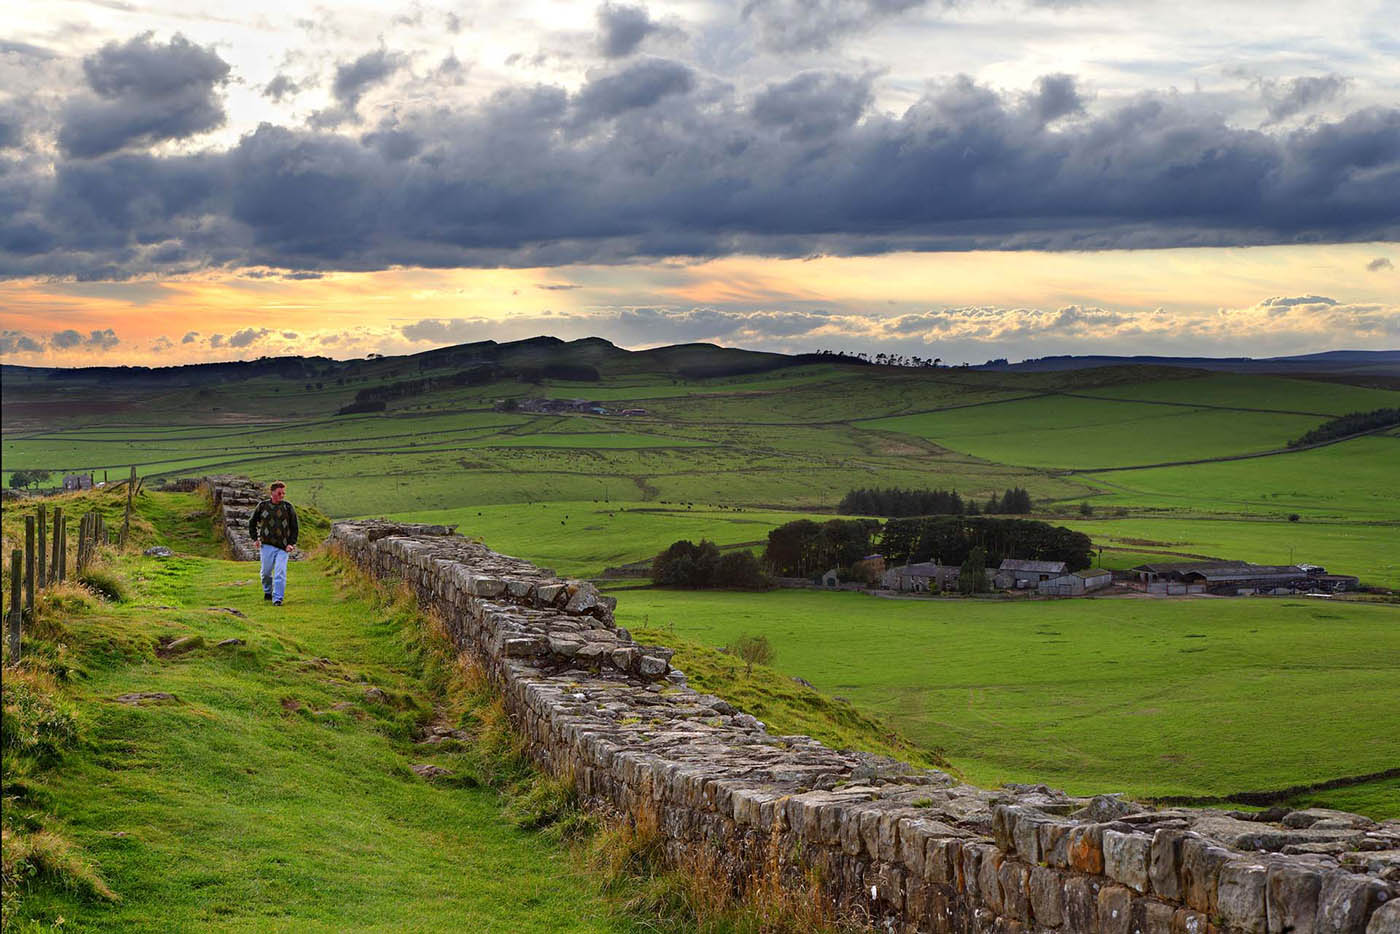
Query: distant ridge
1385,362
694,361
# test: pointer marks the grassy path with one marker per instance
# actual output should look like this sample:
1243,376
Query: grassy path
274,792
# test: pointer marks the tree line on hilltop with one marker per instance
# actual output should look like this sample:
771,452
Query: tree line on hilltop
1350,424
897,502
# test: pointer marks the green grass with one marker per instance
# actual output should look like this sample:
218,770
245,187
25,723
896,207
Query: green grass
252,804
583,538
1072,432
1353,479
1257,391
1149,697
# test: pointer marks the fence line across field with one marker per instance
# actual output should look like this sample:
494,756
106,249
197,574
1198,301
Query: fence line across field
37,566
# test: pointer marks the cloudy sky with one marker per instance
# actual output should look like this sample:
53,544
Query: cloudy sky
187,180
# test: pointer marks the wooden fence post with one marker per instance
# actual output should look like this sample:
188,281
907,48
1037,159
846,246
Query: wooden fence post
43,547
15,613
29,565
57,546
130,492
62,552
81,558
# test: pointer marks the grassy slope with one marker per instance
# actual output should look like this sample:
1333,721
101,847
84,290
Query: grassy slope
1354,479
251,804
1071,432
1143,696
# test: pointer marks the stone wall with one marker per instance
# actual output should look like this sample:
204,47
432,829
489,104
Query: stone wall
234,499
913,850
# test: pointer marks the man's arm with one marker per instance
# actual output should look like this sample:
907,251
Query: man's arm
295,526
253,522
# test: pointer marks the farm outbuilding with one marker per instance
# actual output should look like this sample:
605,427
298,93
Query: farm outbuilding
1076,584
77,481
1020,574
1240,578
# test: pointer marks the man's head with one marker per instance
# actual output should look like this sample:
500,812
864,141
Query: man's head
278,490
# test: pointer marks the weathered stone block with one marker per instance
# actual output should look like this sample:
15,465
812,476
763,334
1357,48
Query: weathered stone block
1054,844
1125,858
1015,890
1386,919
1157,916
1047,897
1186,921
1086,848
1200,866
1241,896
1115,909
1293,893
942,861
1345,901
1164,863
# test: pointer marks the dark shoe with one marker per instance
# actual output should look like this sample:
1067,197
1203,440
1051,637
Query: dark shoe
276,602
266,595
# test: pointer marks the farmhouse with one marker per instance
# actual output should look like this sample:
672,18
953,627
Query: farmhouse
77,481
1020,574
1076,584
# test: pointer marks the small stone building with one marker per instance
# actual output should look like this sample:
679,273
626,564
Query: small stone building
77,481
1019,574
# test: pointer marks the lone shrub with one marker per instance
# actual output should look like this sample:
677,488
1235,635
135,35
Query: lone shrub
752,650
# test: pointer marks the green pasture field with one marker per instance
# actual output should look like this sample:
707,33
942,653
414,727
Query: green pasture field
1073,432
583,538
1201,696
1371,551
1353,479
1251,391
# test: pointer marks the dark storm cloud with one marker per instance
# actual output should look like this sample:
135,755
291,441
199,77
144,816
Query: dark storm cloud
650,160
104,339
1282,302
143,93
813,25
11,129
634,87
19,342
247,336
352,79
190,337
1380,264
280,87
622,28
1284,99
1055,96
813,104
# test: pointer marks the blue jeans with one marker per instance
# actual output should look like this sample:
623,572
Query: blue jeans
274,571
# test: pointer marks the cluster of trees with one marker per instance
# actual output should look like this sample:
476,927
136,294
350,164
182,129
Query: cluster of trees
804,548
703,566
880,359
1014,502
357,408
1349,424
24,479
952,539
895,502
899,502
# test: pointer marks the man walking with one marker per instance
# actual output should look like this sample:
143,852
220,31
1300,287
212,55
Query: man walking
273,526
